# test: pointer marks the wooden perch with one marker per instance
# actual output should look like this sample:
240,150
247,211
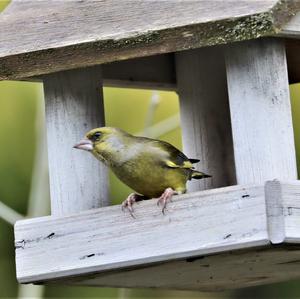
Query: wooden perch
82,248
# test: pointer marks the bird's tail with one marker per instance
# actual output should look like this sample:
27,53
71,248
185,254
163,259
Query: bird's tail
199,175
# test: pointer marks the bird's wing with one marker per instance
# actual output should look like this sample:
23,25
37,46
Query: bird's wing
172,157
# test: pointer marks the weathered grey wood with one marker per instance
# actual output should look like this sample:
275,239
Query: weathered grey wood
231,270
38,37
153,72
260,111
101,248
205,117
292,27
283,206
74,105
104,239
275,211
157,72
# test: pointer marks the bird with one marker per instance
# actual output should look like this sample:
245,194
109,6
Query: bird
151,168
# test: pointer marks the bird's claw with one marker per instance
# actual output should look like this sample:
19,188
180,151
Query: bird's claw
128,203
162,200
165,197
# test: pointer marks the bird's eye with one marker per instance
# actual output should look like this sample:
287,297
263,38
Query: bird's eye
96,136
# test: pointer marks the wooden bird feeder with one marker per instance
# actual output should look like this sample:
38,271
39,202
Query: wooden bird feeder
231,63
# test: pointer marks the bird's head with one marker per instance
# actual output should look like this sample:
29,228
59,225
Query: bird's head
96,136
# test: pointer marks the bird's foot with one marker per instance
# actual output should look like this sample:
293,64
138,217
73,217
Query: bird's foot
130,200
128,203
165,197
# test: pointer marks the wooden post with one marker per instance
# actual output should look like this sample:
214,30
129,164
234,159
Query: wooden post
205,119
260,111
74,105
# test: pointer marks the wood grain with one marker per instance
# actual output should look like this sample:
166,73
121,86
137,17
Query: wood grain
107,239
38,37
205,116
260,111
225,242
217,272
74,105
283,209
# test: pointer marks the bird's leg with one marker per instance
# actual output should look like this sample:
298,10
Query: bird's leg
130,200
165,197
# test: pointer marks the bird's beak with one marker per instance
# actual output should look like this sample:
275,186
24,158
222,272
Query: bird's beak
84,144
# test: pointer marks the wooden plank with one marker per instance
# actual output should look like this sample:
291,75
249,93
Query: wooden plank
106,239
156,72
74,105
273,192
283,207
38,38
231,270
153,72
291,208
260,111
205,117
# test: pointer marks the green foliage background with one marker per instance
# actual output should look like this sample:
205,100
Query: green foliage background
18,110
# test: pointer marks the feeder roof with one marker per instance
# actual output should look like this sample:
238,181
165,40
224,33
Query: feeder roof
40,37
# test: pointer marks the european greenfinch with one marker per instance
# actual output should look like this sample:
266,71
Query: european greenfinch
152,168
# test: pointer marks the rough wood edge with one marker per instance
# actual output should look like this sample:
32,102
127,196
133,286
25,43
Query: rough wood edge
282,211
217,272
169,83
290,202
36,63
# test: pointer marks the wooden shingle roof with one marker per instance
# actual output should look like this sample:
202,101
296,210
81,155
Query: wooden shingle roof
39,37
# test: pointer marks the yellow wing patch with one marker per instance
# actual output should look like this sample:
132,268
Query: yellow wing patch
186,164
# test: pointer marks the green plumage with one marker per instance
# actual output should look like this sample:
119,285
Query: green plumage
148,166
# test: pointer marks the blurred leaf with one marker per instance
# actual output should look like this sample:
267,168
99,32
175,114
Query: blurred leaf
3,4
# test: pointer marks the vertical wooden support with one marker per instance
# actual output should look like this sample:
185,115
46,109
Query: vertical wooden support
260,111
74,105
205,119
